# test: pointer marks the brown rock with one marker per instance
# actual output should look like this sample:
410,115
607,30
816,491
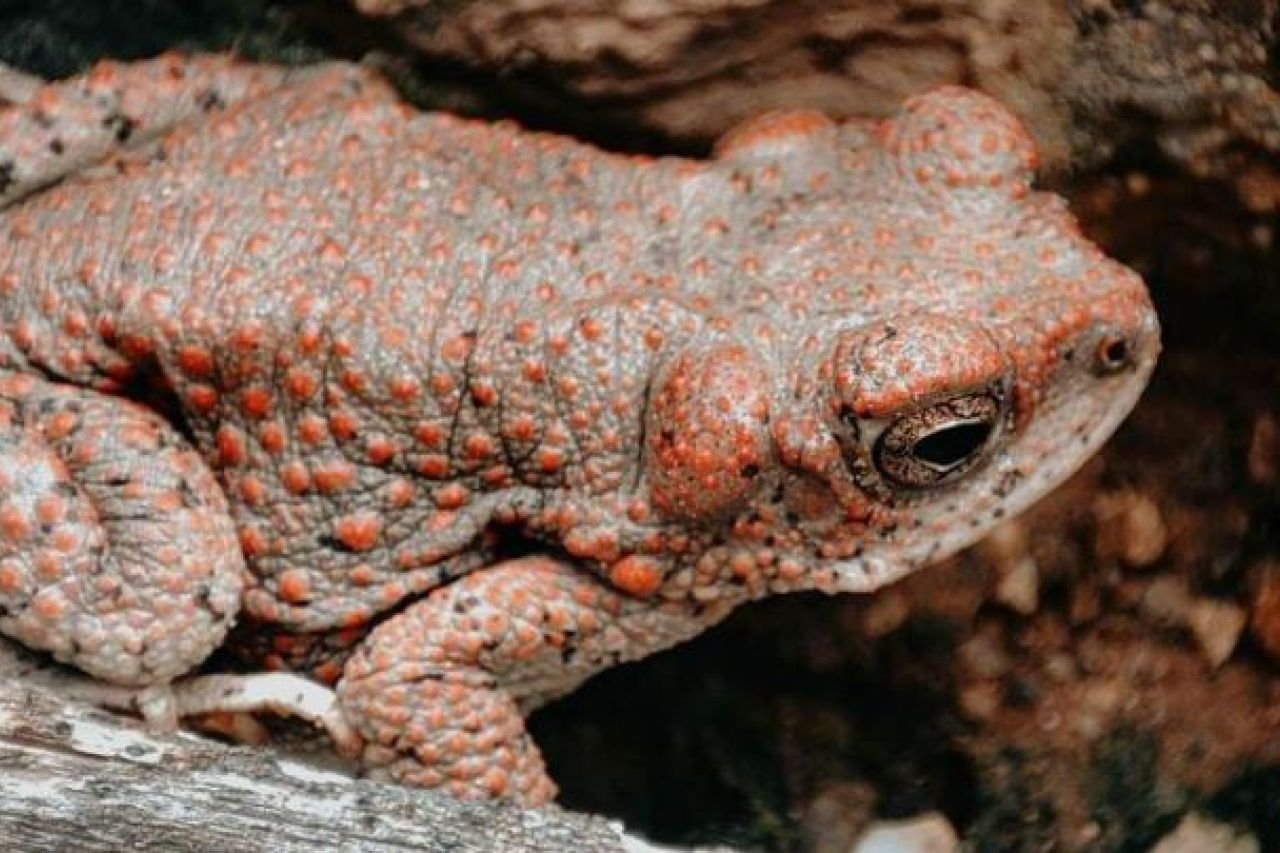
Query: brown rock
1130,528
1264,609
1264,450
690,69
1086,76
1008,549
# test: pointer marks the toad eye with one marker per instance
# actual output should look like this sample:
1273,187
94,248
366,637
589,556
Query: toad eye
936,444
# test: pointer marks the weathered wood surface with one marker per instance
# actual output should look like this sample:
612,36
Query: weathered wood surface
75,779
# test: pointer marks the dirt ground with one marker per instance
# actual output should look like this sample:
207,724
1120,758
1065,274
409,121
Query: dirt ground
1081,680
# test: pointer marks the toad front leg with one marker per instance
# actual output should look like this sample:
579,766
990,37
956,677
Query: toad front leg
439,691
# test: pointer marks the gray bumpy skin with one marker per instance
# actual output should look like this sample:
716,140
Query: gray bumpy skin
275,347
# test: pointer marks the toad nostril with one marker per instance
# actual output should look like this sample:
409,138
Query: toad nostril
1114,353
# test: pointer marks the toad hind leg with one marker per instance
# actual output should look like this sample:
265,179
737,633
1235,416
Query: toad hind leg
439,691
117,550
51,131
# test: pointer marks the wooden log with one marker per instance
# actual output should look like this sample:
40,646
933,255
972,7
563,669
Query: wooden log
82,780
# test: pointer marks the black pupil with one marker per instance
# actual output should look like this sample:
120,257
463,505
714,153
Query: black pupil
953,444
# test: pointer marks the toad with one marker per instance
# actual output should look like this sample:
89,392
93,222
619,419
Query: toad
452,415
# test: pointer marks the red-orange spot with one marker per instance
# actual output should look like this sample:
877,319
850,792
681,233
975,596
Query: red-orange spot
638,576
533,370
380,450
334,476
452,496
202,398
60,425
442,384
252,541
456,349
271,436
295,477
194,361
522,427
593,544
403,388
343,425
525,331
391,593
48,567
295,586
568,387
352,379
255,402
300,383
400,492
431,435
252,490
231,446
550,459
479,445
247,337
49,604
309,341
10,578
312,429
50,509
135,347
327,672
354,617
331,251
359,531
434,465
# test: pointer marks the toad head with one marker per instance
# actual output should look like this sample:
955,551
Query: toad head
913,345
